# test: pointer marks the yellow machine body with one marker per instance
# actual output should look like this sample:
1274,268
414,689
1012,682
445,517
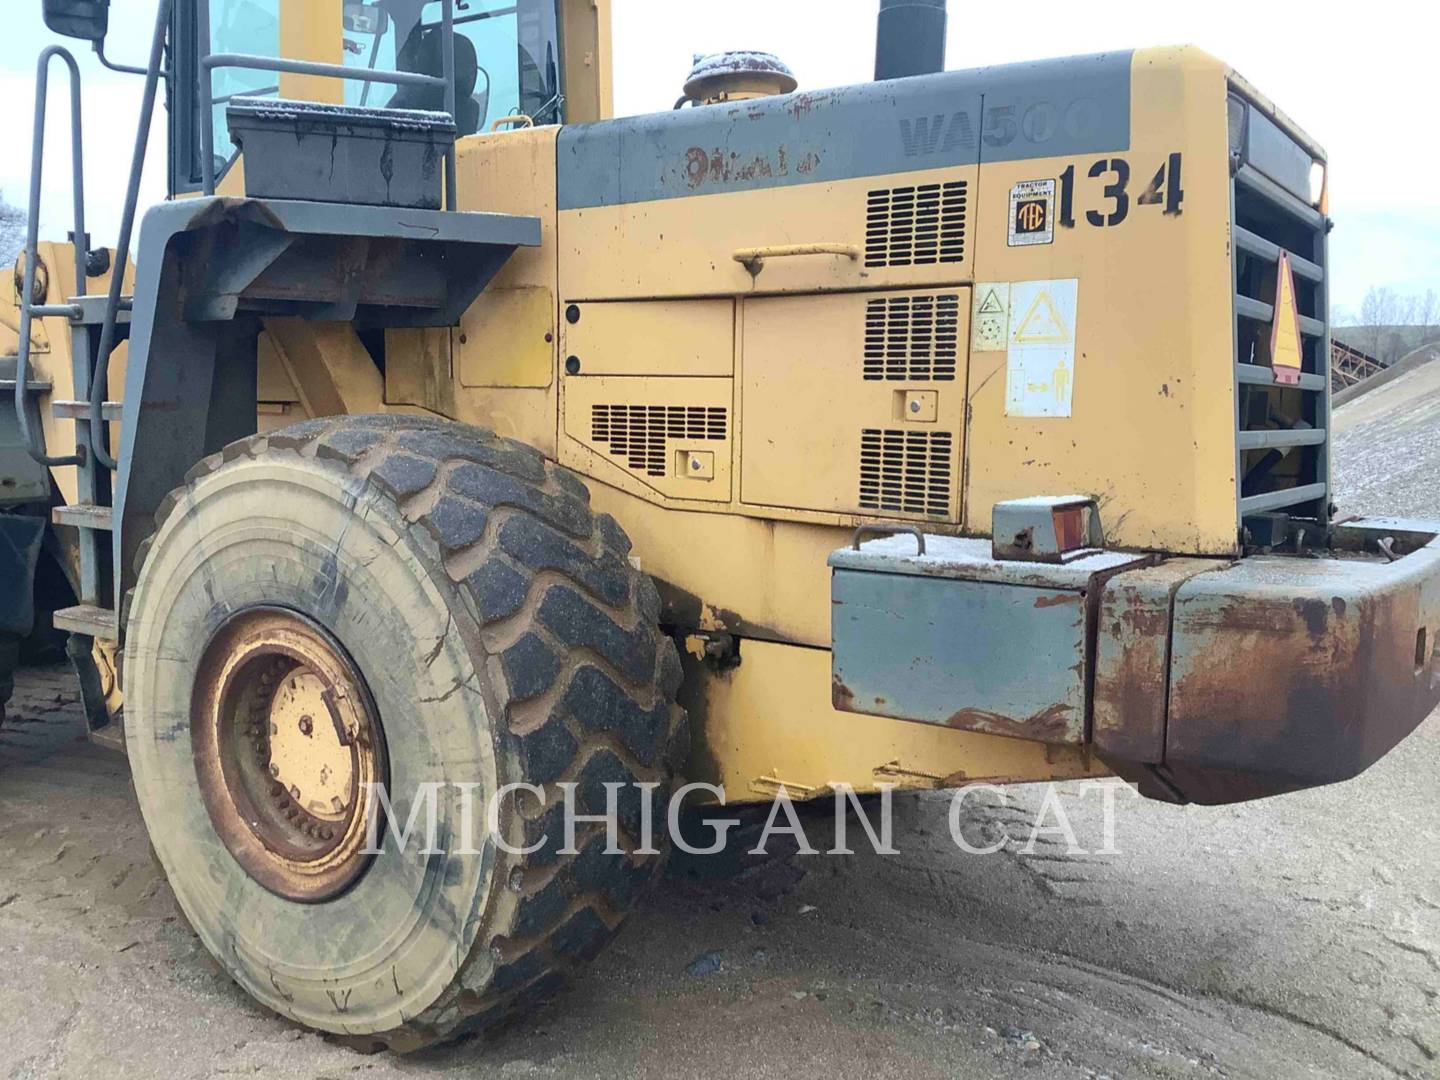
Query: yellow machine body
756,360
751,473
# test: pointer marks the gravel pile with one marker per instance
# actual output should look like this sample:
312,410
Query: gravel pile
1387,448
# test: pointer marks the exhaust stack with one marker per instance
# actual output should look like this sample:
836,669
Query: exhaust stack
910,38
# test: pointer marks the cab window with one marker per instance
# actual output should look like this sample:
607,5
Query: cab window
240,26
507,63
507,59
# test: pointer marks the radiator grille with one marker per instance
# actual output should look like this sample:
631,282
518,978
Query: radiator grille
905,472
916,226
1282,431
638,433
912,337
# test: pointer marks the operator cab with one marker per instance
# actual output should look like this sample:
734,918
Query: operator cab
507,64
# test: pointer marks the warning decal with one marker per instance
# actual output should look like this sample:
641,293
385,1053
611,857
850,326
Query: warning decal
990,318
1286,356
1040,352
1042,325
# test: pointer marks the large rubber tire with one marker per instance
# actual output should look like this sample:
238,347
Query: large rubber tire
505,637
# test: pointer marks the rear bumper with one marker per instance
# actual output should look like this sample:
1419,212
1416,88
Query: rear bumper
1270,674
1199,680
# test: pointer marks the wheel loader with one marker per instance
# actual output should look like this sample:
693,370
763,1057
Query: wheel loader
445,433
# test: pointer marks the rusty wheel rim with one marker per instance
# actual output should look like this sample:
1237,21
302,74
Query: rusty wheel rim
288,749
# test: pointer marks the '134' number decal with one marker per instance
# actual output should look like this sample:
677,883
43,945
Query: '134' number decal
1114,203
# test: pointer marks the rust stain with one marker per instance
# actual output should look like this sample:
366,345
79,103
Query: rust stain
1287,695
1019,547
802,106
841,696
1051,724
717,167
1058,600
697,164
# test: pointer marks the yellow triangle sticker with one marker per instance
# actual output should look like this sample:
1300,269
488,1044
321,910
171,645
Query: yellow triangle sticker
1286,357
1042,324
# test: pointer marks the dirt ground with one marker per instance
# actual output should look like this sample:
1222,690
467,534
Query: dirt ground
1294,937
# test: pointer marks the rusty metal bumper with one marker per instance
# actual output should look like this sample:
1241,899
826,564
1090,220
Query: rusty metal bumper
1216,683
1199,680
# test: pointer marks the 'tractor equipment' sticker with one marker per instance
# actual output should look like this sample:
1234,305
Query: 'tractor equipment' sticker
1032,213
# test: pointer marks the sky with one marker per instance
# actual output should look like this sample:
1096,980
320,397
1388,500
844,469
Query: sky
1363,86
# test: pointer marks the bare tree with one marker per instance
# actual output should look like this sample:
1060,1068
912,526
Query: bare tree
1406,308
12,232
1427,313
1377,311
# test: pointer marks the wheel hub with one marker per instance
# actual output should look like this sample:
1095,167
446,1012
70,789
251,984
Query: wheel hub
287,747
309,753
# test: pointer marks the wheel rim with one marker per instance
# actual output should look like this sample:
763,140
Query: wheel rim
288,751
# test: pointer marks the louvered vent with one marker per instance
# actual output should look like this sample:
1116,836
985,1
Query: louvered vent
912,337
905,472
916,226
637,433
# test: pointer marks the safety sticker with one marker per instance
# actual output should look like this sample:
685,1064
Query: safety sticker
990,317
1032,213
1286,356
1040,354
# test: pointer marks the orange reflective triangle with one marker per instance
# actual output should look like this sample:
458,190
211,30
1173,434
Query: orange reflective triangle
1285,355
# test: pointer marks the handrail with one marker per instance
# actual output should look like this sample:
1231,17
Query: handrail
100,380
32,237
105,61
210,61
753,259
251,62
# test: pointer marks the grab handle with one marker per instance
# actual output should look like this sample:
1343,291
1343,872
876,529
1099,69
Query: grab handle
753,259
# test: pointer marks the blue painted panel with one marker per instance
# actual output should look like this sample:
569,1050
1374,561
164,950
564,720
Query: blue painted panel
1079,105
981,656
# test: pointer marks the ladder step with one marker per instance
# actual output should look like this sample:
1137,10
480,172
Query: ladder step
84,516
34,386
80,410
89,620
8,363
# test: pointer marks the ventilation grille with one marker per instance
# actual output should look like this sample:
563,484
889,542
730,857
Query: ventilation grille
638,432
912,337
905,472
916,226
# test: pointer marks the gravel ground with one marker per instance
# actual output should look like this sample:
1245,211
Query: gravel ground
1387,447
1294,937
